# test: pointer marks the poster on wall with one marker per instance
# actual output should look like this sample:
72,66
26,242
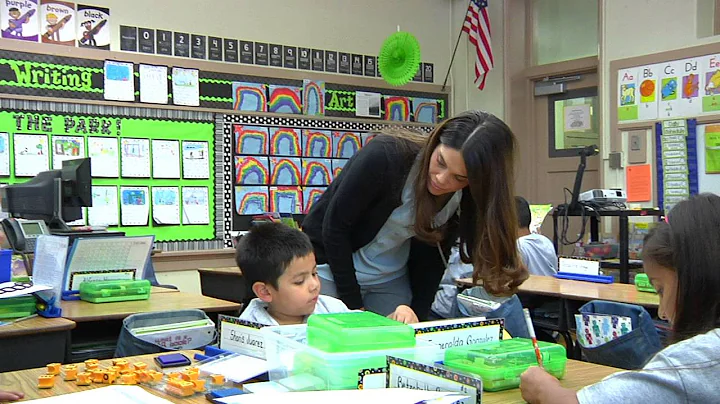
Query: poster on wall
104,154
93,27
710,83
19,19
153,84
4,154
31,154
670,76
689,102
196,208
628,94
135,209
166,205
119,82
712,149
135,157
67,148
648,81
57,22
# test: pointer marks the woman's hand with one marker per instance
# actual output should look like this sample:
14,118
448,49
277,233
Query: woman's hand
539,386
10,396
404,314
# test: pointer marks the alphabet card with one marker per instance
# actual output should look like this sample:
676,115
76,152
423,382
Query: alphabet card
628,95
19,19
710,82
93,27
670,80
57,22
649,93
689,102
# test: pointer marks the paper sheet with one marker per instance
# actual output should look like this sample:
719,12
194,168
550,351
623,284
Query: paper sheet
4,154
104,154
367,104
135,157
196,162
153,84
109,394
186,87
135,207
166,205
67,148
105,210
196,209
236,368
49,262
395,396
119,81
166,158
15,289
712,149
31,154
639,183
107,258
538,214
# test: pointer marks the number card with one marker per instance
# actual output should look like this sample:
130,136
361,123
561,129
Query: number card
247,52
128,38
304,57
357,65
428,72
231,50
370,66
344,63
331,61
147,40
290,57
181,44
215,48
318,60
276,55
163,41
261,54
198,49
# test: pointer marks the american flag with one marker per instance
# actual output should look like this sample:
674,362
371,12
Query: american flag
477,26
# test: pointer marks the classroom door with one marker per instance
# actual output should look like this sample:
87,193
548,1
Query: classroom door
564,123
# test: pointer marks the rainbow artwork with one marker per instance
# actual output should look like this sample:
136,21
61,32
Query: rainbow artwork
285,171
346,144
286,200
251,170
316,172
313,97
425,110
310,195
337,166
316,143
367,137
250,139
284,100
397,108
284,142
249,97
251,200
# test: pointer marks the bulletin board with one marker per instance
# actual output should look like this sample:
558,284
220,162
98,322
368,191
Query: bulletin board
70,136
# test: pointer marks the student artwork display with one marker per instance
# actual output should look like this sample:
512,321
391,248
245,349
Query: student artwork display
186,86
20,20
425,110
285,171
313,97
251,200
135,157
196,208
57,22
104,211
251,139
346,144
317,143
286,200
67,148
153,84
104,154
119,81
285,142
397,108
4,155
316,172
284,100
249,97
166,158
196,160
166,205
93,27
310,196
134,206
31,154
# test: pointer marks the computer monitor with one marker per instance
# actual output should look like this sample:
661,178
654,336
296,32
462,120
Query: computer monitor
55,196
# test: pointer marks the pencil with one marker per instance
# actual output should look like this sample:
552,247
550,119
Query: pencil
531,330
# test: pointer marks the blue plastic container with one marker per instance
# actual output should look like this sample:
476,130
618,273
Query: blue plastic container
5,265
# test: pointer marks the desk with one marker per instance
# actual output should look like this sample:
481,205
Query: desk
39,341
225,283
579,374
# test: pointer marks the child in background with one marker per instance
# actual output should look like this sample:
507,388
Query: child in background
536,250
681,259
278,264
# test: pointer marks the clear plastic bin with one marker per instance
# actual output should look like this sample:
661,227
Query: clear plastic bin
297,366
352,332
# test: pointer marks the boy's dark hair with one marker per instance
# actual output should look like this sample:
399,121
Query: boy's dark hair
267,249
688,244
523,212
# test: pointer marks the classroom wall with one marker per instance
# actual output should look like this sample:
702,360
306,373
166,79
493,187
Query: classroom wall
674,24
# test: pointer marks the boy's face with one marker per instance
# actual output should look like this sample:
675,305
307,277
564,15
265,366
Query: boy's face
297,292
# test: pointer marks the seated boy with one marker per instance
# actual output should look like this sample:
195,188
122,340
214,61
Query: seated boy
536,250
278,264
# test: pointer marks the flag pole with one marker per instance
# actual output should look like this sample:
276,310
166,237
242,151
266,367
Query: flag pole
457,42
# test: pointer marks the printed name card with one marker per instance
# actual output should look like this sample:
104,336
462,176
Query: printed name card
577,265
407,374
460,332
241,336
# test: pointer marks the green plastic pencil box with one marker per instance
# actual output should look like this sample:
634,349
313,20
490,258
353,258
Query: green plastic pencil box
642,283
357,331
501,363
16,307
115,291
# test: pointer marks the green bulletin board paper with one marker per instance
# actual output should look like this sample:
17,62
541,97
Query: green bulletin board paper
712,149
82,125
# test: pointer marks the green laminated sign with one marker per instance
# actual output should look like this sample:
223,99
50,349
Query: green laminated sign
712,149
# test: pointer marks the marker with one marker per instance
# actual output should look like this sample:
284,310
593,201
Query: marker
531,330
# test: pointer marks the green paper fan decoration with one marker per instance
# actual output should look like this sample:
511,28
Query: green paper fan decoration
399,58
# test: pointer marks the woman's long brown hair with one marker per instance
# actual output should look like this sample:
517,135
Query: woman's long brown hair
488,221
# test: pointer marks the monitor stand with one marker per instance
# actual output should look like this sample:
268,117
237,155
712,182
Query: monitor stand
57,223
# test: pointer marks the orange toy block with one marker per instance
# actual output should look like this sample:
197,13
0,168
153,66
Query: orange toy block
53,368
180,388
156,376
46,381
122,364
109,377
140,365
71,372
114,369
97,375
129,379
193,369
174,375
143,376
91,364
189,376
217,380
199,385
84,379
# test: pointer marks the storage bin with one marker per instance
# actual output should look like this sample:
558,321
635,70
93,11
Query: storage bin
642,283
298,366
115,291
501,363
16,307
357,331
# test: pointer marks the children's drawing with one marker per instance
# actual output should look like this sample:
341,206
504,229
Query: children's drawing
135,157
57,22
367,137
93,29
425,110
627,94
316,143
310,196
251,139
196,207
346,144
284,100
286,200
20,20
165,196
249,97
251,170
133,197
313,97
31,154
316,172
104,154
284,142
285,171
251,200
397,108
337,166
67,148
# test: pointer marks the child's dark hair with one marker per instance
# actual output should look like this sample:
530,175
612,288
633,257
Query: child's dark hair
523,212
267,249
688,244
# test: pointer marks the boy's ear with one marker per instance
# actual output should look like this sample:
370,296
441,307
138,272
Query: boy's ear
262,291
